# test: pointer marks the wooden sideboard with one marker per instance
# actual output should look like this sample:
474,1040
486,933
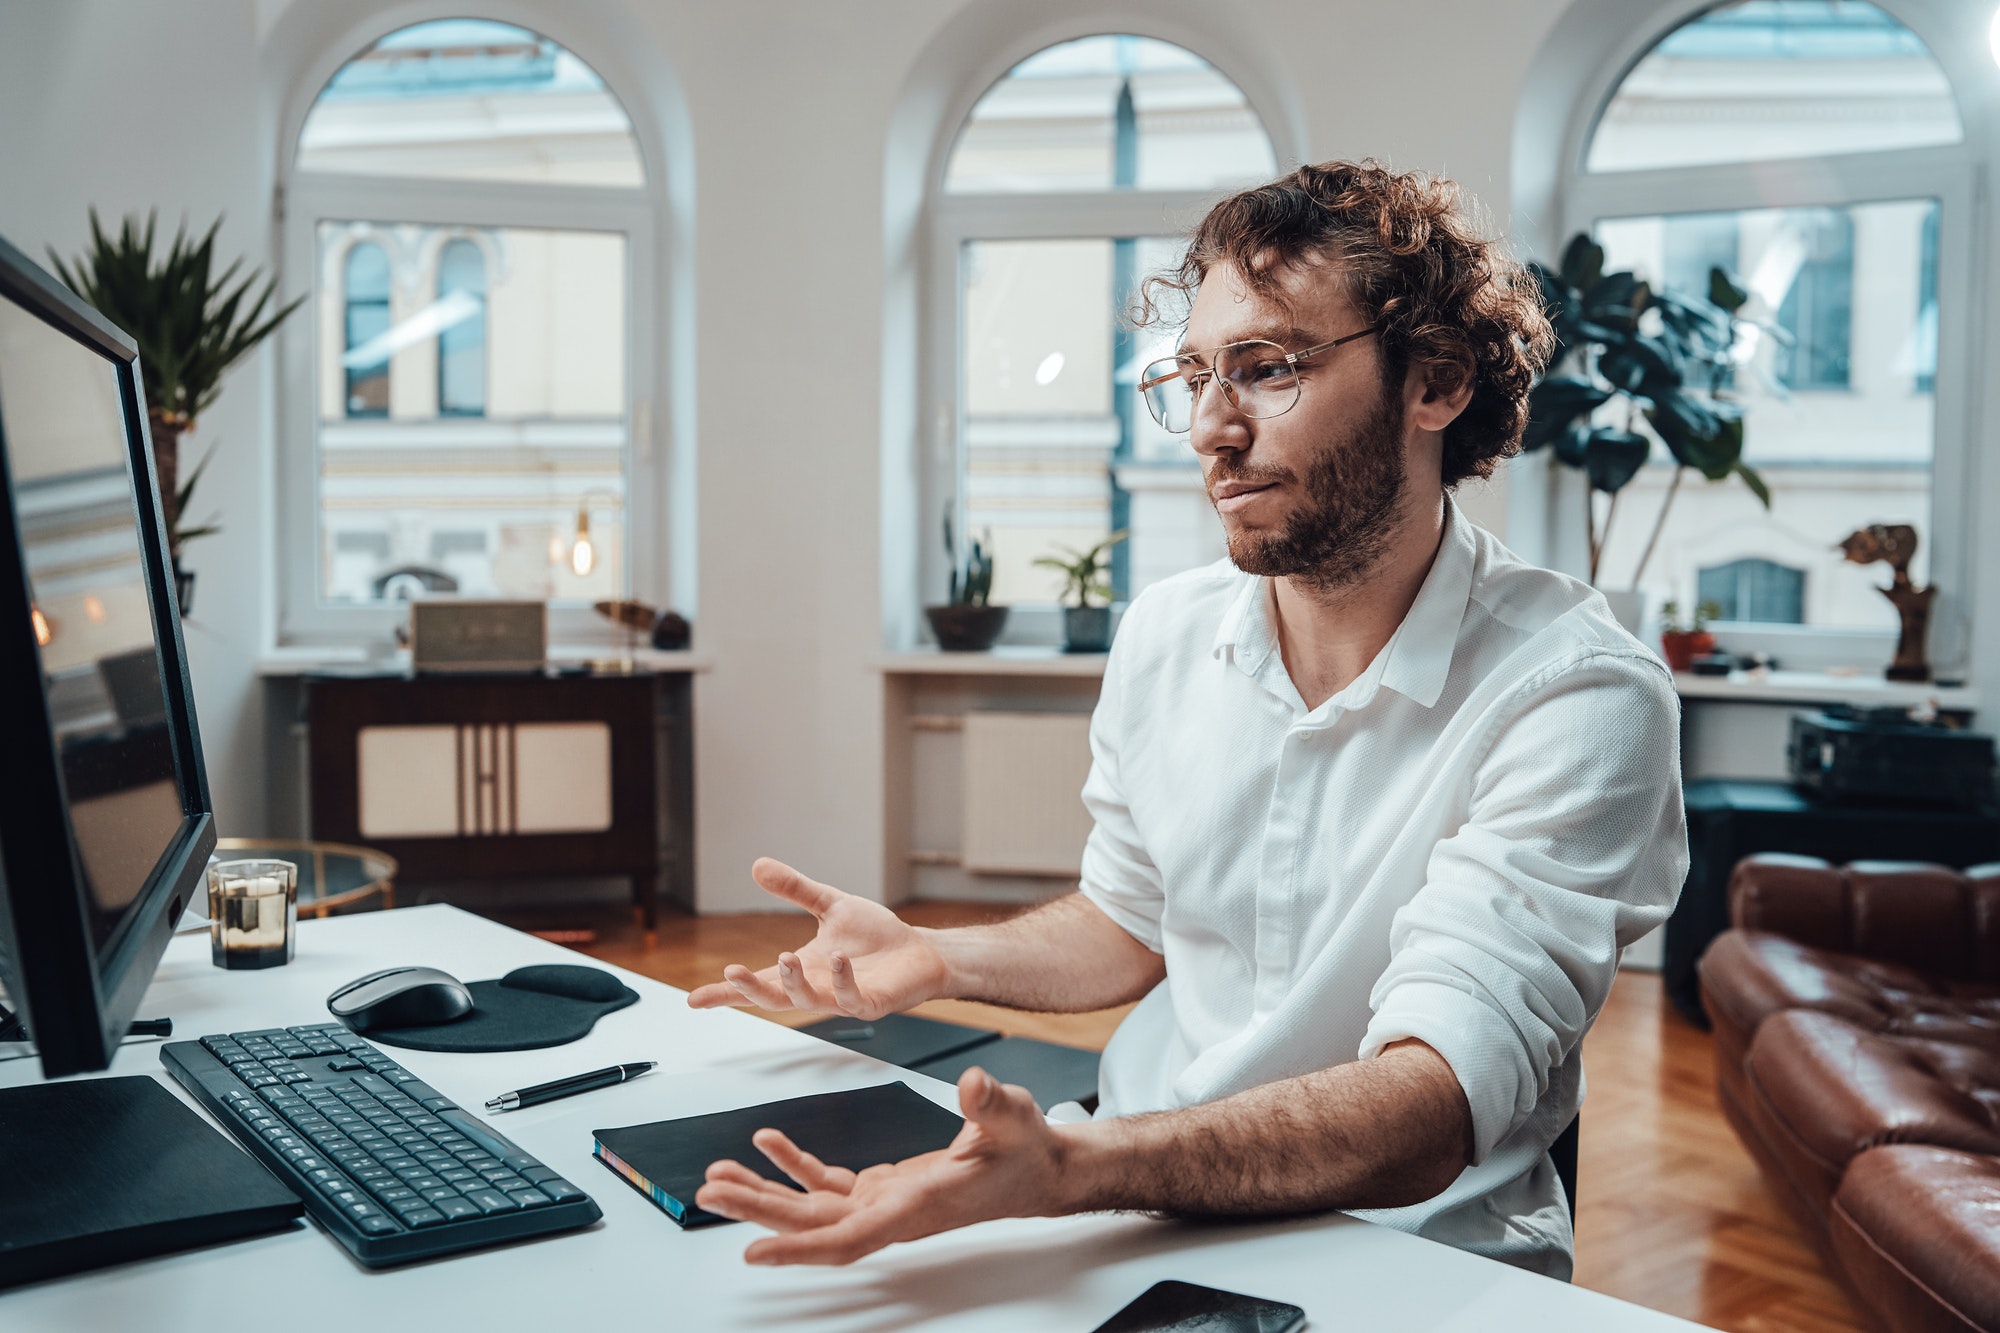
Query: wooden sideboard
474,776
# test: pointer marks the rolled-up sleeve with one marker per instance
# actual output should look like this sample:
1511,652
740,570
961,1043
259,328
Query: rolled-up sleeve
1118,875
1574,846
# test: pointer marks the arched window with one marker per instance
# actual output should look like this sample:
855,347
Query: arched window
1754,590
366,291
1810,149
471,198
461,294
1067,182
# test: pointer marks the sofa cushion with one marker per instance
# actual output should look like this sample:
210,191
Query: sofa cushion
1748,975
1917,1232
1942,922
1822,1091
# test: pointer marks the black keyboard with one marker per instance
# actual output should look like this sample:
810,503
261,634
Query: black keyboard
391,1168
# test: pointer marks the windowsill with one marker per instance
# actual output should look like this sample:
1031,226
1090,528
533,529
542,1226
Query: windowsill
306,660
1821,687
1001,661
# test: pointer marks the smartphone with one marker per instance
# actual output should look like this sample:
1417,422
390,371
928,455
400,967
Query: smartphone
1182,1307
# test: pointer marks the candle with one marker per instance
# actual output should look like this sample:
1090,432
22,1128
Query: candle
253,911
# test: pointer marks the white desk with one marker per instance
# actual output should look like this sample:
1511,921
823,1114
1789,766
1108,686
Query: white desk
636,1270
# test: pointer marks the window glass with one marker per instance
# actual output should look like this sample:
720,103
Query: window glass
1765,79
367,319
495,374
1111,112
1761,590
467,99
461,290
1054,425
1833,371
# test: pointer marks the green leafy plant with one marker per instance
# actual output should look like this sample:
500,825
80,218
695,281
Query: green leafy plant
1664,358
1704,613
972,576
1085,570
191,324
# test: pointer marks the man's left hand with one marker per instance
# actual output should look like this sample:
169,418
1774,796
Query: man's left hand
1006,1162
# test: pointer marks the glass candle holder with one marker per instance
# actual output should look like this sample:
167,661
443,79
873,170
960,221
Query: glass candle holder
253,913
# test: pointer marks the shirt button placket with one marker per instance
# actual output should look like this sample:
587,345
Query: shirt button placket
1282,831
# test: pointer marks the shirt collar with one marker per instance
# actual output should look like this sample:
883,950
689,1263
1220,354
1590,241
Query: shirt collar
1417,658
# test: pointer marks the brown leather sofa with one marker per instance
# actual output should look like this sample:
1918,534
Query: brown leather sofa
1857,1054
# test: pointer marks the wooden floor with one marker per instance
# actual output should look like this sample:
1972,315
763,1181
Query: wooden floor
1671,1211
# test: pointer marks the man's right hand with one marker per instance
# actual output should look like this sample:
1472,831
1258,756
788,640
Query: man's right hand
864,962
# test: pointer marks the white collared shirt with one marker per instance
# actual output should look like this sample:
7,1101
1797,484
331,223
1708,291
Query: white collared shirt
1454,848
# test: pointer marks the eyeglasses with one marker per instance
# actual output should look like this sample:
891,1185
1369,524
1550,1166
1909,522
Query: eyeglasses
1260,379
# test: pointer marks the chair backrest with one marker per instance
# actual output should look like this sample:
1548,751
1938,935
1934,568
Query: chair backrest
1563,1154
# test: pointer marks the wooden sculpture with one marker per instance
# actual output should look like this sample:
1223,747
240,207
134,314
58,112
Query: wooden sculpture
1896,544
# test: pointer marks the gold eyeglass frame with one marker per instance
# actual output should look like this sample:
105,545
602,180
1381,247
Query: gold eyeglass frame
1291,360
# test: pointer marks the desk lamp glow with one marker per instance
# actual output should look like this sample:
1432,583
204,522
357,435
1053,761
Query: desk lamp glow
1993,36
583,551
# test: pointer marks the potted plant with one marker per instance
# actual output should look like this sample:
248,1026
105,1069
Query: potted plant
1086,628
1666,359
966,623
1682,644
191,324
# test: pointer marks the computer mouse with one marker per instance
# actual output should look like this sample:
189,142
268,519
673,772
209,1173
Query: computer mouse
400,997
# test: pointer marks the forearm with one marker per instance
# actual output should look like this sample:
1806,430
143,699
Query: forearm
1380,1133
1066,956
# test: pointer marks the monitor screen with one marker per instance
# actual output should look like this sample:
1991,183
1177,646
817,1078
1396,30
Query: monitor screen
76,500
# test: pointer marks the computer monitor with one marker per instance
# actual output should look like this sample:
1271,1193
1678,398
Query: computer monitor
105,823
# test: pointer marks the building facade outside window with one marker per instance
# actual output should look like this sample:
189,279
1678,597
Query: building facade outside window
469,200
1813,149
366,278
1068,182
461,290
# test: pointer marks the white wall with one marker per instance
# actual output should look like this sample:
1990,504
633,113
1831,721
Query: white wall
778,117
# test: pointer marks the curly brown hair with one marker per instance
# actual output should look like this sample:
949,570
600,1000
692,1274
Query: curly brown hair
1410,256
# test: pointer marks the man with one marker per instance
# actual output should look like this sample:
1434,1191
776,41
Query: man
1377,804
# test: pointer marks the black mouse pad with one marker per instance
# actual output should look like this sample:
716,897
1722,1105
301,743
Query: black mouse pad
531,1007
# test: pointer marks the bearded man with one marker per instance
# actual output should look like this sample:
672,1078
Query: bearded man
1377,803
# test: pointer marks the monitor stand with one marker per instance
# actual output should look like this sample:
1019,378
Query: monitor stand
16,1041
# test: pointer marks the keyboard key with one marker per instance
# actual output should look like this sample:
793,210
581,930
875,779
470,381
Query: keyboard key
560,1190
457,1207
395,1194
423,1217
492,1201
508,1184
439,1193
378,1225
457,1175
529,1198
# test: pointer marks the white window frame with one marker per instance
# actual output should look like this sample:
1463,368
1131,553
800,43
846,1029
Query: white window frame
1949,173
1096,215
308,197
957,219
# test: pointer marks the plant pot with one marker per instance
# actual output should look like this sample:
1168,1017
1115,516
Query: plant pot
966,629
183,588
1680,647
1086,629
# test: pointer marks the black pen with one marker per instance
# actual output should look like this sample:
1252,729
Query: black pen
568,1087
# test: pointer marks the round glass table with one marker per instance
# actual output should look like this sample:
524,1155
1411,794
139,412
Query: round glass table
333,876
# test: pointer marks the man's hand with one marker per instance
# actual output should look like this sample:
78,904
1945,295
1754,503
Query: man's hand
1006,1162
864,962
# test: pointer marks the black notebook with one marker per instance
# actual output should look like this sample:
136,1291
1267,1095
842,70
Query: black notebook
101,1170
667,1160
901,1039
